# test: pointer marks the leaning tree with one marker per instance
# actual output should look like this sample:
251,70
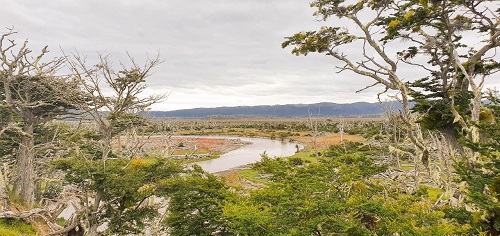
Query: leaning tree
399,44
32,94
440,54
458,41
356,27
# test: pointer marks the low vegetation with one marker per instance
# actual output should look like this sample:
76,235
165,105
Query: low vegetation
12,227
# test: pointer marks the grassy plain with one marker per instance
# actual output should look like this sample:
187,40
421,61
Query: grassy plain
295,129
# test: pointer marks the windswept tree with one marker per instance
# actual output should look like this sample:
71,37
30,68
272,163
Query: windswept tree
32,94
356,27
450,47
458,40
424,37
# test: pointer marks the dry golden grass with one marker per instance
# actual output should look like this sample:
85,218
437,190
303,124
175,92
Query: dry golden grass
232,178
325,140
237,178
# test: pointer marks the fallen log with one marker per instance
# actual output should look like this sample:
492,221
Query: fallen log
22,215
73,229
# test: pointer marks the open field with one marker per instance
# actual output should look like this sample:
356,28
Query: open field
213,125
298,129
188,147
325,140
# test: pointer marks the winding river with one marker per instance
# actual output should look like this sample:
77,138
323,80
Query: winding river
248,154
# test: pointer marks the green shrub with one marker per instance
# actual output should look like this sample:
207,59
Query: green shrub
296,161
13,227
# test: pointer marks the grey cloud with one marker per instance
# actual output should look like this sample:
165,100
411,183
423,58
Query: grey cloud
217,53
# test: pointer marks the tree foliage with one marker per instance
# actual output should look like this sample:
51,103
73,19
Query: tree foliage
426,37
482,177
195,205
338,195
123,187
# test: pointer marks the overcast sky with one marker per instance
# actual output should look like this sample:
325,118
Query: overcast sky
217,52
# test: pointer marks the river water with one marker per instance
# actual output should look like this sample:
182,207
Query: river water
248,154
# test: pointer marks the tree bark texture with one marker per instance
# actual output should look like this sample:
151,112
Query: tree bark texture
93,221
25,186
4,197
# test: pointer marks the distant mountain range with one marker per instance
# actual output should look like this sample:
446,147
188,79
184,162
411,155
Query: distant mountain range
324,109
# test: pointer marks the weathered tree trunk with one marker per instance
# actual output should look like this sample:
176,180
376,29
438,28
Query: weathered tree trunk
314,129
22,215
69,230
92,228
473,133
4,197
475,113
106,141
341,129
25,186
315,143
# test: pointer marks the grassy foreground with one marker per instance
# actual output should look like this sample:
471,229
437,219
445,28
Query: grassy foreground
11,227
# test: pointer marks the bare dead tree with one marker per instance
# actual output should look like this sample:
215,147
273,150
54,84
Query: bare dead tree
446,155
113,111
341,126
392,128
166,133
113,101
312,122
